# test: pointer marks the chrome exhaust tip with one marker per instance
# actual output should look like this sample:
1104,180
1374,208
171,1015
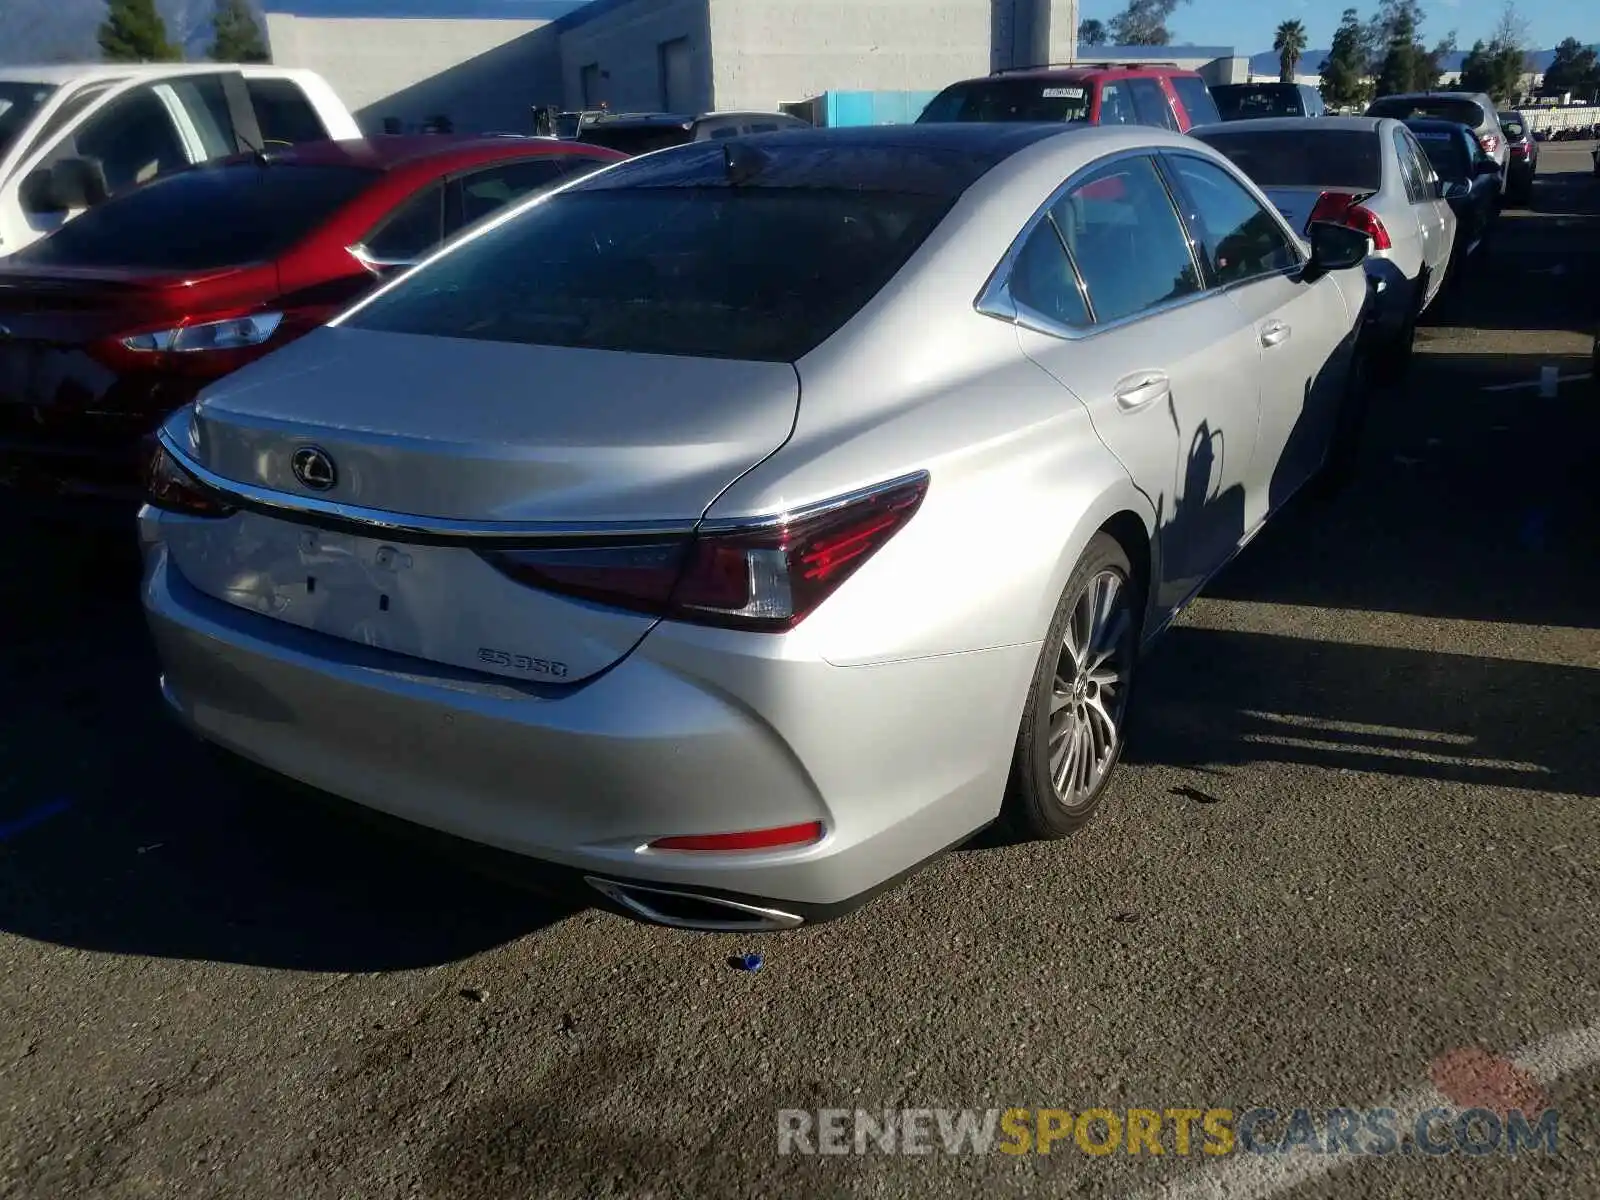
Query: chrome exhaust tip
682,909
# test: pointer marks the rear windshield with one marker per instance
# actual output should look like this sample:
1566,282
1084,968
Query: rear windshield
1446,152
1325,158
1512,125
1444,108
1197,99
1243,101
207,217
635,139
19,102
1008,100
759,273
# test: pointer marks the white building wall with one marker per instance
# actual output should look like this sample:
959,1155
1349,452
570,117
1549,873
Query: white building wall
483,74
623,50
770,52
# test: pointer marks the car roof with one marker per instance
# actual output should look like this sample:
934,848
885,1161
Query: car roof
937,159
1298,124
386,152
1476,97
1082,72
64,73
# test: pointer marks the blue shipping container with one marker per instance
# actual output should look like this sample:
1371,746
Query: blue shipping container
873,108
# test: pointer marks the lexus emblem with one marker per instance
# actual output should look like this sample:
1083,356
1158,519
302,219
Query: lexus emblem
313,468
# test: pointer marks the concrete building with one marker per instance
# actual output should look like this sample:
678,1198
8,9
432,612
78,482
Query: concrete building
487,71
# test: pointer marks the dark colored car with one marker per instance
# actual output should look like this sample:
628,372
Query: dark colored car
1524,161
1158,94
122,315
1248,101
1470,182
640,133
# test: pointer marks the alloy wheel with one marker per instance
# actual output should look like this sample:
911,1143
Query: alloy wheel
1089,691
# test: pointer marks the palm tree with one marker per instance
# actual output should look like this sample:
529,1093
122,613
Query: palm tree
1290,43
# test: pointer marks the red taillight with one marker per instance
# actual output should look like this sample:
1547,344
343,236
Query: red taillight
1519,150
1344,208
1489,142
766,575
169,487
783,837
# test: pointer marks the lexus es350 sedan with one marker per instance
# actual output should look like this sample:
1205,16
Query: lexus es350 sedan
739,527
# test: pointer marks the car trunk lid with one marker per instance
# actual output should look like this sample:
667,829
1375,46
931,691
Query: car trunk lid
438,447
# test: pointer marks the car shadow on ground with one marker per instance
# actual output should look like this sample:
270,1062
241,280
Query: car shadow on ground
118,834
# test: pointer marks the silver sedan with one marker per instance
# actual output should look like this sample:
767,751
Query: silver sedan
737,528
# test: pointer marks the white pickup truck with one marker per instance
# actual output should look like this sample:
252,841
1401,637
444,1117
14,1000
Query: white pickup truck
70,136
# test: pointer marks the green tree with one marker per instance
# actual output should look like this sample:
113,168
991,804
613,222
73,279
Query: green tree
237,37
1144,23
1091,32
1498,65
1399,67
1290,43
133,31
1573,69
1344,71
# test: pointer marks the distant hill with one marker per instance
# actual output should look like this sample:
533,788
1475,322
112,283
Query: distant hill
35,31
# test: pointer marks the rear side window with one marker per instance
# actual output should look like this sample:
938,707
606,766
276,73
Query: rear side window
284,113
1150,103
1017,99
1312,157
410,230
753,272
204,218
1125,237
487,191
1042,279
1444,108
1196,99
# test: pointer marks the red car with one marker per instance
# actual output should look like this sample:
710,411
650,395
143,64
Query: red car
125,313
1107,93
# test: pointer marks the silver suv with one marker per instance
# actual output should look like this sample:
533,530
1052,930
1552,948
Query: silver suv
1472,109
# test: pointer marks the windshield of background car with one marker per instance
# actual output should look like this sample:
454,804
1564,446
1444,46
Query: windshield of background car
1443,108
1008,100
635,139
668,255
1325,158
1446,152
1514,128
203,218
1241,102
19,102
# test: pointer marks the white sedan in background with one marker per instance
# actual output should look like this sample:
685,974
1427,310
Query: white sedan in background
1366,172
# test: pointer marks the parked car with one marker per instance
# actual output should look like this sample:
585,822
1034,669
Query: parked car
1368,173
1522,163
1156,94
1472,109
1249,101
73,136
1470,180
123,315
640,133
737,593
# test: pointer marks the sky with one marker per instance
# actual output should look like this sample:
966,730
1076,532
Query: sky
1248,28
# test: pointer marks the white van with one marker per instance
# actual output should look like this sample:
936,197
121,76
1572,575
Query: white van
73,135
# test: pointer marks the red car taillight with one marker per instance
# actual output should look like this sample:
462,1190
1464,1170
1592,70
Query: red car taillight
170,488
767,576
1519,150
1344,208
1489,142
785,837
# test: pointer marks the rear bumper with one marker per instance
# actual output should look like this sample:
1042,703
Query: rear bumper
692,733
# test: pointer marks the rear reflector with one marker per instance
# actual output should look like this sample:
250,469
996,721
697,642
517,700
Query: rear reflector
1345,208
765,575
1489,142
784,836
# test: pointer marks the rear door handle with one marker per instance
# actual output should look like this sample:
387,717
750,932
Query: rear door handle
1273,333
1136,391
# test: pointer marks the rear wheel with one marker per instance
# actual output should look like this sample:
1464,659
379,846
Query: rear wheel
1071,735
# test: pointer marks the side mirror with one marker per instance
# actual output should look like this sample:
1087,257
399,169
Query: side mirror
1336,248
1486,166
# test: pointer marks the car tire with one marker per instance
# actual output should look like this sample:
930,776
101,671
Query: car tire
1072,726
